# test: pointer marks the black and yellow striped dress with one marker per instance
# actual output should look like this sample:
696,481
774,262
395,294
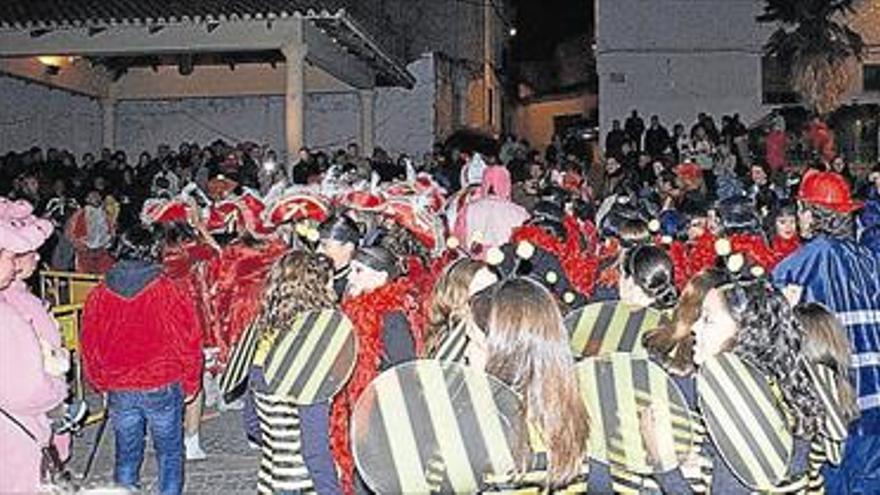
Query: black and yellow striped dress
282,465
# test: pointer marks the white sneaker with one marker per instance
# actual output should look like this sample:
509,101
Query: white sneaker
194,450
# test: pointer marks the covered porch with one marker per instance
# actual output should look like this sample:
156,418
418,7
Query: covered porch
117,51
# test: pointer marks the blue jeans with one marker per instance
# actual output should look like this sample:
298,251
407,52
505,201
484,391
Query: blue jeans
161,409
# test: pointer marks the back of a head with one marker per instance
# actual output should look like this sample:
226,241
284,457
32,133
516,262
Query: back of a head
738,215
528,349
652,270
137,243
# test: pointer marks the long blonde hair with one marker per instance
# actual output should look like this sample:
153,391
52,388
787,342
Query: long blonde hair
449,299
298,282
528,349
825,343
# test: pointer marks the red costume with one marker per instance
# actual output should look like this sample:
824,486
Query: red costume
367,312
783,247
580,266
143,342
88,259
236,279
701,253
755,249
186,266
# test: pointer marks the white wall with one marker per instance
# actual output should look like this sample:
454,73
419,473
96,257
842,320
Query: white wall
35,115
404,118
31,115
679,57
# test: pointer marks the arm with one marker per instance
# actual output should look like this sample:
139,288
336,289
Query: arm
397,339
315,425
25,388
92,329
187,338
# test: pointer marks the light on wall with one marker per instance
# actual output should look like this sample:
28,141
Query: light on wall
55,60
54,63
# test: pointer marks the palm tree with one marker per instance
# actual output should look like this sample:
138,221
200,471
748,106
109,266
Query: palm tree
814,41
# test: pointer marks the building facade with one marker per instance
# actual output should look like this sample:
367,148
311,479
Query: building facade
676,58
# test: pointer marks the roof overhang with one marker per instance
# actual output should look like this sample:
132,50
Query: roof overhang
336,41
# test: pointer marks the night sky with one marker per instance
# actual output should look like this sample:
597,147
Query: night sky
542,24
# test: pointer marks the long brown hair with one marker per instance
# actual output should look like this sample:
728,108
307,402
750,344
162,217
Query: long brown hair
672,344
449,299
528,349
298,282
825,343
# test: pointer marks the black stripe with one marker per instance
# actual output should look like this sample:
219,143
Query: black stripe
599,329
374,464
475,446
450,344
641,383
340,372
739,424
318,353
420,422
287,354
763,422
607,394
719,437
239,363
632,331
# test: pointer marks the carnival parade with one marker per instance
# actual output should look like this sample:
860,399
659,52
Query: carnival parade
196,301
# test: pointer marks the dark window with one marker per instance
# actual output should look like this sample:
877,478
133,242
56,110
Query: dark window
872,77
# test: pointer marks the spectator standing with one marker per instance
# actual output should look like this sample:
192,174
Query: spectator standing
634,128
142,345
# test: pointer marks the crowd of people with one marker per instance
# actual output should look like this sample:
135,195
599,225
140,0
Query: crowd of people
472,257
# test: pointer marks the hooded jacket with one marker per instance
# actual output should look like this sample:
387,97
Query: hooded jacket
141,332
490,219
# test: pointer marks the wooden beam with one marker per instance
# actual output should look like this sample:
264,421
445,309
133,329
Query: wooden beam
80,77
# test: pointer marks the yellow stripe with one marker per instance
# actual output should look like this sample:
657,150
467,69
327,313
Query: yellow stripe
739,443
341,335
446,429
401,440
666,438
283,347
490,424
627,414
302,355
614,334
589,393
767,408
583,328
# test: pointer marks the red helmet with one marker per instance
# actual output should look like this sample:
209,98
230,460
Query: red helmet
829,190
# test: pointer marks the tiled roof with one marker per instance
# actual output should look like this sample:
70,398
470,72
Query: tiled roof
331,16
55,13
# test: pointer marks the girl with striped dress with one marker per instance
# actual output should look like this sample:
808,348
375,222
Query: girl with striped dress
754,322
295,439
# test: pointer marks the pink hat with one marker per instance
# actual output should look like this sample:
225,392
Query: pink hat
20,230
496,179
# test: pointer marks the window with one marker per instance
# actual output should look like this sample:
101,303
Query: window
871,77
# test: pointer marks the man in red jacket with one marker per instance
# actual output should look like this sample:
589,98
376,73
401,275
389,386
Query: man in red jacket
142,345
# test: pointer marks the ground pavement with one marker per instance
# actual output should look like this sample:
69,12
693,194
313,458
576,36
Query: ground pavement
231,466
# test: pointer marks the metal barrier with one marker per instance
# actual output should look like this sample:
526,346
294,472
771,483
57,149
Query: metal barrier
69,318
65,288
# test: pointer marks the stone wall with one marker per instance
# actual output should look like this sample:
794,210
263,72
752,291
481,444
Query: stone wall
36,115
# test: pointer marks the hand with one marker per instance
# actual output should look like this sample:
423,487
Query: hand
648,429
793,294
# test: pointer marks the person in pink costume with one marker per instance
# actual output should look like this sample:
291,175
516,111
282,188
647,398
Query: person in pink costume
31,380
489,220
